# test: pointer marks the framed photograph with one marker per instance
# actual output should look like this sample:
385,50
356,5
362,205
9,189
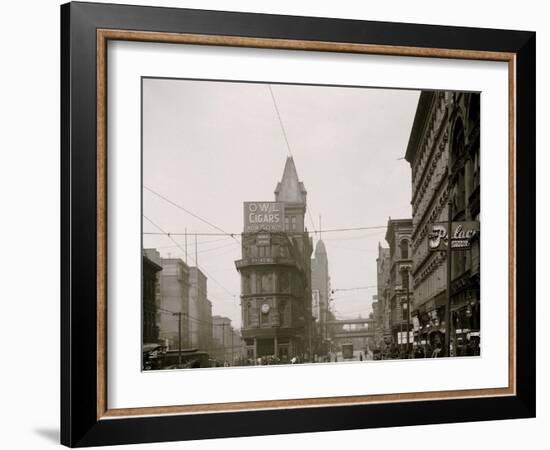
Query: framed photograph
277,224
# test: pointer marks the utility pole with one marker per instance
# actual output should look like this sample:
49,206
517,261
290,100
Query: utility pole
400,340
310,344
223,340
449,274
186,245
196,252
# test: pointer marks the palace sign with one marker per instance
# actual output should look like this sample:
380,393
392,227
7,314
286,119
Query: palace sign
462,234
263,216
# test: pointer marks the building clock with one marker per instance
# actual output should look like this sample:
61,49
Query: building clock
265,308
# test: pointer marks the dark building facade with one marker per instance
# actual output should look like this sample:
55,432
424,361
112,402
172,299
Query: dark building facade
399,293
174,300
382,314
444,155
150,278
275,271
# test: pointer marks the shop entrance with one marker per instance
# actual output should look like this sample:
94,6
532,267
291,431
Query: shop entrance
283,352
265,347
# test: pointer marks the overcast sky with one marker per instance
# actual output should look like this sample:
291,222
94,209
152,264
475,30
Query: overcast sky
209,146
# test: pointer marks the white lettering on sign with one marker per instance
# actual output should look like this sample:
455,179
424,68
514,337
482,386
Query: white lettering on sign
462,234
437,236
263,216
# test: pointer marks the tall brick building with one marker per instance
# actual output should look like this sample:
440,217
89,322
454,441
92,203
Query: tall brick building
275,271
398,236
174,299
444,155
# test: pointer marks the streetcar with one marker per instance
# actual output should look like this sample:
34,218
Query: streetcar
157,357
152,357
348,353
186,359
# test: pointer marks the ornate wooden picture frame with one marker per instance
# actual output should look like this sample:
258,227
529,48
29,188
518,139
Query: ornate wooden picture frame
86,418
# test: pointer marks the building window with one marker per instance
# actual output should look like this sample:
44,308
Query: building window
460,192
404,246
249,314
246,284
475,178
266,283
457,155
405,311
474,115
293,219
287,224
258,283
405,279
284,283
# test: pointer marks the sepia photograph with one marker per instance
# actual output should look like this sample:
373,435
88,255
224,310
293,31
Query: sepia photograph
303,224
273,224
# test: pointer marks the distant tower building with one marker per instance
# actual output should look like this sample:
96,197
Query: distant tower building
226,346
200,324
276,273
320,285
206,333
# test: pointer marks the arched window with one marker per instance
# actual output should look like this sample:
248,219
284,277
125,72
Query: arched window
474,117
457,149
404,247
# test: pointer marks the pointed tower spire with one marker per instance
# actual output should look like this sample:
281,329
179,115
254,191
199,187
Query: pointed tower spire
290,189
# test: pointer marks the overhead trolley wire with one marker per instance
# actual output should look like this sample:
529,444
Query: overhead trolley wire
333,230
196,216
182,249
287,144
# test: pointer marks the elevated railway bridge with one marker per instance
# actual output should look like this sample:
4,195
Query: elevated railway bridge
343,329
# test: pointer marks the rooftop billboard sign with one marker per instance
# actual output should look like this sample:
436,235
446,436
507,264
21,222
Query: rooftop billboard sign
263,216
